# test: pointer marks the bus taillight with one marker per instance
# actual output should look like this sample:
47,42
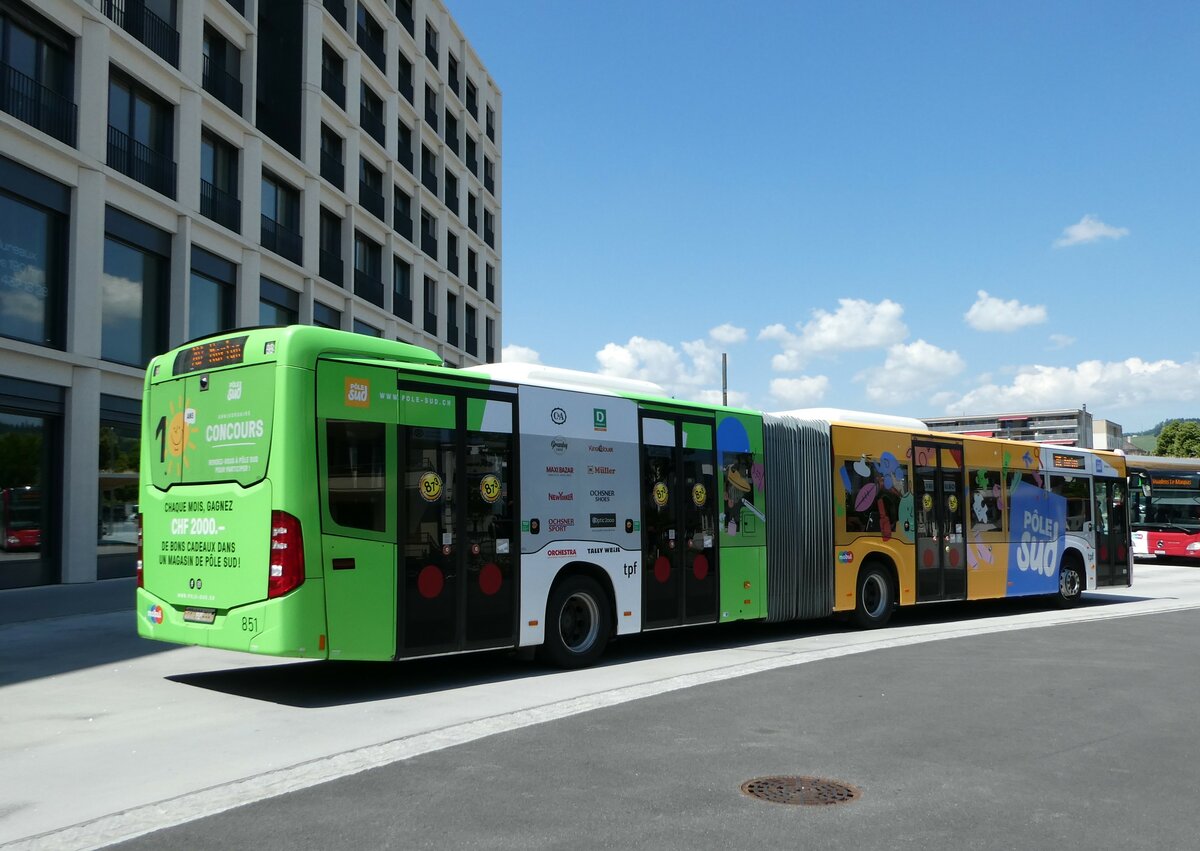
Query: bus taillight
287,554
141,581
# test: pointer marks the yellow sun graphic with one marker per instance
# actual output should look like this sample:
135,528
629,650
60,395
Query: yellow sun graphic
178,437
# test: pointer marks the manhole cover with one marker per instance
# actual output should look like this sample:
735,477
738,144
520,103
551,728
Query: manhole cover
807,791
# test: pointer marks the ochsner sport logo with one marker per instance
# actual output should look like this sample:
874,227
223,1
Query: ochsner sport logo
358,392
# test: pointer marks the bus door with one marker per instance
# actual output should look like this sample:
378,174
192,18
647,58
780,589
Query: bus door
458,548
1112,532
679,497
940,507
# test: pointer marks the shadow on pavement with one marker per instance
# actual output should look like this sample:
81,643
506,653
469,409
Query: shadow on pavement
319,684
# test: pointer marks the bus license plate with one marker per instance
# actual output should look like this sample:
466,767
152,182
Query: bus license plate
200,615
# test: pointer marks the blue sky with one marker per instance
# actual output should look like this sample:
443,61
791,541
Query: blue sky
911,208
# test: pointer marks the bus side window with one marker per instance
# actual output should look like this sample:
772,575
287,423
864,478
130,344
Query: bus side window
356,474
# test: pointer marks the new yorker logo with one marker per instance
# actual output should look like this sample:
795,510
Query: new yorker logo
358,392
561,497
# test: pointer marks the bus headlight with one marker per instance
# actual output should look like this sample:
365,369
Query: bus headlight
1193,547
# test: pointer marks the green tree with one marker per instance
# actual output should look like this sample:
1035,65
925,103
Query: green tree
1179,439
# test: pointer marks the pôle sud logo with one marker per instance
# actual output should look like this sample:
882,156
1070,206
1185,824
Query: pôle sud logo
358,392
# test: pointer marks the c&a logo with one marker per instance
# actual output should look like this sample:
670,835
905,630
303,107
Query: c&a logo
358,392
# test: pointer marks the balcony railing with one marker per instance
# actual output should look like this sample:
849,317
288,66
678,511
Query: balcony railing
402,307
331,267
222,85
373,124
282,240
27,100
429,245
144,164
452,335
374,49
429,180
337,8
472,345
147,27
333,170
371,200
367,287
402,223
430,323
332,85
220,206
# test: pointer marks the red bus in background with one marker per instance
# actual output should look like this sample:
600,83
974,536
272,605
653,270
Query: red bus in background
1164,506
20,518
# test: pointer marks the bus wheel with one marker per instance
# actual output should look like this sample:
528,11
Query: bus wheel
874,605
577,624
1070,583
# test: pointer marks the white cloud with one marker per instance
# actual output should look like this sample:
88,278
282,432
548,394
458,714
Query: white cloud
685,374
728,334
989,313
856,324
909,371
519,354
1088,229
1127,384
799,392
1061,341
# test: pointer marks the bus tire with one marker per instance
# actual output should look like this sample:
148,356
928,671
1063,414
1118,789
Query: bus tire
1070,581
578,626
874,599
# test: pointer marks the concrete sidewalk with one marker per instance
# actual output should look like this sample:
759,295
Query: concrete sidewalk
20,605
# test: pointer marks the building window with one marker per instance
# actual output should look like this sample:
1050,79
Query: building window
37,74
431,108
371,38
451,134
430,305
451,319
222,71
368,274
371,110
33,256
152,22
325,316
219,182
473,212
489,228
491,124
472,155
431,43
402,289
429,170
336,8
333,167
472,99
140,135
361,327
404,146
404,77
452,252
402,213
451,195
489,327
133,290
489,282
281,219
370,188
472,340
212,294
277,305
429,234
332,75
472,269
452,74
331,247
404,11
30,441
489,175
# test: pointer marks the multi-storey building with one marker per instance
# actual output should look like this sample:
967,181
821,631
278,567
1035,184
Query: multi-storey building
1068,427
173,168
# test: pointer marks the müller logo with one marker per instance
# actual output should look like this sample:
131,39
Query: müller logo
601,471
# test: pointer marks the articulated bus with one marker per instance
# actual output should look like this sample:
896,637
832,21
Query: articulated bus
314,493
1164,508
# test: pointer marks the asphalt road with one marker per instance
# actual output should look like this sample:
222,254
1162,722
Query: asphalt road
996,725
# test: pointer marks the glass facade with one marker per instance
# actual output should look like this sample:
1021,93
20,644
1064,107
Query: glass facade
32,271
133,303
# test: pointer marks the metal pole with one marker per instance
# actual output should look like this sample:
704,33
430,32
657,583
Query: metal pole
724,378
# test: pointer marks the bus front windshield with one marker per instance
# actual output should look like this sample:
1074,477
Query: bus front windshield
1168,502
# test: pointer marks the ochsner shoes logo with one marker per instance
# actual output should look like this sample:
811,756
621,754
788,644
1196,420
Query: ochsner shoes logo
358,392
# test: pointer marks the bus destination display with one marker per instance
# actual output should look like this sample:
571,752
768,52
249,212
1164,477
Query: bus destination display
1068,462
209,355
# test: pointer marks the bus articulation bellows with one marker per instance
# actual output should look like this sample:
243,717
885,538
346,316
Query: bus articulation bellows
314,493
